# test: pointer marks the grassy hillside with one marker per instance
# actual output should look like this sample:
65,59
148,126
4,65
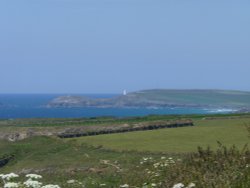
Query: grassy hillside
60,162
200,97
159,158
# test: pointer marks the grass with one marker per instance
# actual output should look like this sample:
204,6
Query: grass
118,159
58,162
204,133
103,121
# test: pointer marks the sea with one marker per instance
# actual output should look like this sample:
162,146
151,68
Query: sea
14,106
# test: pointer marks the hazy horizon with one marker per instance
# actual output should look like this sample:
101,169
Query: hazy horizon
106,46
121,92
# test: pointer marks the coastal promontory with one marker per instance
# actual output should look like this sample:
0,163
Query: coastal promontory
160,98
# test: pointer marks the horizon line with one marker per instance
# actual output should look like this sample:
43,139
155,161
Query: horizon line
110,93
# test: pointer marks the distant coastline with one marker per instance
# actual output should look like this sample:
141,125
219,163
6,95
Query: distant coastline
40,106
221,100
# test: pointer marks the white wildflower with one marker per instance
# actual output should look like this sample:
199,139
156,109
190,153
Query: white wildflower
191,185
124,186
178,185
156,165
157,174
11,185
71,181
170,161
102,184
33,176
50,186
163,165
153,184
32,183
9,176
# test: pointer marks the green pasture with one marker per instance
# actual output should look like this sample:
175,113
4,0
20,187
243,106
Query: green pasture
9,124
205,133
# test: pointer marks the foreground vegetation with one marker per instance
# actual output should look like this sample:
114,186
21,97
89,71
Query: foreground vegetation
163,158
72,165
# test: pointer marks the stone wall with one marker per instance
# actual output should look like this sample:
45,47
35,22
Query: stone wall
129,128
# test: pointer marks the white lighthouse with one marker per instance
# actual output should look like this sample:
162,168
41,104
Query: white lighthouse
124,92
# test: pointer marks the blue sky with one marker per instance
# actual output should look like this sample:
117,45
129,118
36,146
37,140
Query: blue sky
105,46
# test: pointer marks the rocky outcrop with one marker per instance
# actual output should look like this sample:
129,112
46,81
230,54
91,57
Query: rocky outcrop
15,136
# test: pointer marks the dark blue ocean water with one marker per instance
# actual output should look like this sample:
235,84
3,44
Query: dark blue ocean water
33,106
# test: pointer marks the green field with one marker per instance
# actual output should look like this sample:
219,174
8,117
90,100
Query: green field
187,139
